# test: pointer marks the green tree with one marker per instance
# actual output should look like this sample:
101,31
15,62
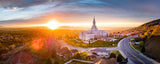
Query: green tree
143,49
119,58
112,55
89,43
81,55
77,55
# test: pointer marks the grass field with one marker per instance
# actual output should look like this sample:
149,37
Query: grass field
98,43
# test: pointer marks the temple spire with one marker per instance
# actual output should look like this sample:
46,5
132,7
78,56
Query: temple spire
94,22
94,25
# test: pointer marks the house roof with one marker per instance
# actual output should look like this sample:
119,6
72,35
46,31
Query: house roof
107,61
100,50
64,50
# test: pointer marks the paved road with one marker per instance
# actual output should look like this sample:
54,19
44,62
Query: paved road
129,53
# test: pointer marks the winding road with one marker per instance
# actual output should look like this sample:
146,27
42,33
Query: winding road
132,56
125,50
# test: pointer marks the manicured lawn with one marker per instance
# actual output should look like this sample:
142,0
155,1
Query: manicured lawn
98,43
137,47
76,43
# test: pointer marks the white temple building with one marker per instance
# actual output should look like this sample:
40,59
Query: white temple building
93,34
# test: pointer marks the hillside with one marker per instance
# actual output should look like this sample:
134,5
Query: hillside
152,46
147,26
151,28
151,38
152,23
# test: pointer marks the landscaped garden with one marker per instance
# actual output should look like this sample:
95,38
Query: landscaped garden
98,43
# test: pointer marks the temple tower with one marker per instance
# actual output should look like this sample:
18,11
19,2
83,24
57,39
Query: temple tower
94,28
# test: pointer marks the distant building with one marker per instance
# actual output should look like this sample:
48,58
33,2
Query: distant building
93,34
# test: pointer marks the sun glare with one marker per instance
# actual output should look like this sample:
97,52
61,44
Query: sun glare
52,24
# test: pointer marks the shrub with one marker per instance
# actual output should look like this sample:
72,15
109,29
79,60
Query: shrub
112,55
119,58
81,55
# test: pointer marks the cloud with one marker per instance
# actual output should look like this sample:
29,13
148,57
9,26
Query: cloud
40,11
12,9
131,7
134,7
21,3
143,7
21,22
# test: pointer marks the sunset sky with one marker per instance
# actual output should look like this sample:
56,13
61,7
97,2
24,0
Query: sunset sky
108,13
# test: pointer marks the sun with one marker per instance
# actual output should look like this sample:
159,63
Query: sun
52,24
